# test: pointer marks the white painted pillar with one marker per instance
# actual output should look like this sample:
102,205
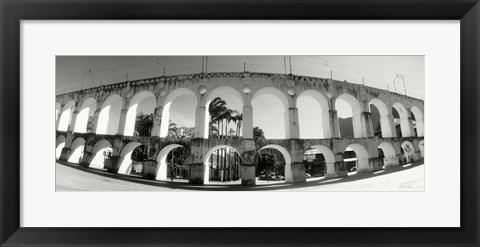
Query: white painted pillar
406,126
71,127
96,116
388,129
420,127
327,129
200,122
358,129
157,121
247,122
122,122
334,125
293,123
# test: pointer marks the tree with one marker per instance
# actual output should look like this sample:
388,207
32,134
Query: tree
143,124
237,119
215,109
172,129
258,134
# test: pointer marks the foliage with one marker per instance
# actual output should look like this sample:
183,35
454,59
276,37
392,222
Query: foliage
258,134
143,124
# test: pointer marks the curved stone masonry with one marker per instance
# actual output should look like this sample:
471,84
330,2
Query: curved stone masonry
123,97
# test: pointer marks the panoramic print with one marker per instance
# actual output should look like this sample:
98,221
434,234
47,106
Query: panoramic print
239,123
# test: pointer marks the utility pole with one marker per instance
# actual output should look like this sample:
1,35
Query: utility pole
363,81
405,87
331,74
206,64
290,61
285,64
394,86
84,72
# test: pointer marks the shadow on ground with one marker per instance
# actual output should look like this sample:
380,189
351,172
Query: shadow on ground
183,185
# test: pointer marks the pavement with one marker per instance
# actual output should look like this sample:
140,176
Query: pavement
410,177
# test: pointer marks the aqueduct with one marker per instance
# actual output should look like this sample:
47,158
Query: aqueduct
89,120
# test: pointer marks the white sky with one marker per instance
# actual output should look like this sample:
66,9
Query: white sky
377,71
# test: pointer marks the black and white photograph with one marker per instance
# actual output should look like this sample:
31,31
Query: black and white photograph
290,123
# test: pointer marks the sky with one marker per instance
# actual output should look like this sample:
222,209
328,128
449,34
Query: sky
79,72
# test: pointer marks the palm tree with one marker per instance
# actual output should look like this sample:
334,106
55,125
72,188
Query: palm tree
215,109
172,129
258,134
237,119
227,116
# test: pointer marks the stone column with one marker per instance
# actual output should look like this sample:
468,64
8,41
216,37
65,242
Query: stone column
112,164
122,122
65,155
293,124
327,128
375,163
406,126
96,116
361,125
420,127
296,173
334,125
149,169
337,169
387,126
71,127
248,163
247,122
390,161
157,121
197,174
86,159
200,122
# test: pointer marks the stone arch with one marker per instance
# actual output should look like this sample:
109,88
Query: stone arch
408,152
362,156
288,160
421,146
166,107
324,113
76,150
161,173
66,115
59,145
85,112
98,156
405,123
358,131
390,155
329,159
125,156
418,121
282,97
216,92
385,125
132,111
109,117
206,175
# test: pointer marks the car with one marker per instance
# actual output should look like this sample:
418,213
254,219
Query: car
353,169
308,175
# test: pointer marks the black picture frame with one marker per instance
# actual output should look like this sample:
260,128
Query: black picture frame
13,11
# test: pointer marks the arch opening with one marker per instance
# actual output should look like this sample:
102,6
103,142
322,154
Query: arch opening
172,163
223,116
417,116
277,160
270,113
380,120
388,153
109,117
356,158
408,151
349,116
319,161
77,149
178,109
313,115
66,115
421,146
223,164
402,120
59,145
130,157
139,120
101,151
85,116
